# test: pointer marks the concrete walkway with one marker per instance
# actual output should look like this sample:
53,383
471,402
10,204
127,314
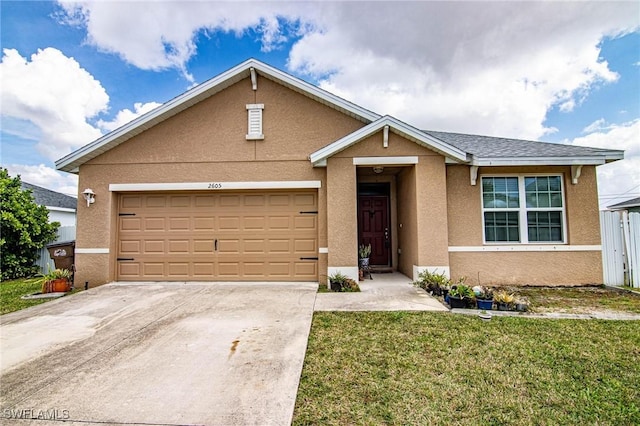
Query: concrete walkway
385,292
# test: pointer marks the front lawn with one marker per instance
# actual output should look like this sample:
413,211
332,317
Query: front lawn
12,290
441,369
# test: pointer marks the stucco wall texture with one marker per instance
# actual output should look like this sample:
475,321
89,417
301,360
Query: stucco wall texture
436,206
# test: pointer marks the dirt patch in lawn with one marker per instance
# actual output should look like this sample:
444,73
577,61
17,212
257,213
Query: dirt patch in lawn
579,300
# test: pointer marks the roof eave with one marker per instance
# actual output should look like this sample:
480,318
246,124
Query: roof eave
72,162
319,157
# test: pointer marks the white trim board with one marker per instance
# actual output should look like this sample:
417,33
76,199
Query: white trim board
214,186
514,248
349,271
384,161
91,250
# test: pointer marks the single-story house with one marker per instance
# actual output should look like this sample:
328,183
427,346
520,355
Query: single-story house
256,175
62,208
632,206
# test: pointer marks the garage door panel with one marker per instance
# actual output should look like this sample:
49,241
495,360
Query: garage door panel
130,224
179,246
153,246
257,236
130,246
203,246
154,224
178,269
305,222
153,269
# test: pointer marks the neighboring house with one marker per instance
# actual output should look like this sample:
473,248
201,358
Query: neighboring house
632,206
62,208
257,175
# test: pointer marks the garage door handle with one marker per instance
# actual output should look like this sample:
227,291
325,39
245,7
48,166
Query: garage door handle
308,258
215,245
124,258
309,212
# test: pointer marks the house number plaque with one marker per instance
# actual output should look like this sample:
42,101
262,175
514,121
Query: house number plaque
214,185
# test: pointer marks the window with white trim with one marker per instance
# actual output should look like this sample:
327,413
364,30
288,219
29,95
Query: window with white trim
523,209
254,113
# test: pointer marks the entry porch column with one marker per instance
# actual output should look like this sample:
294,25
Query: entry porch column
342,217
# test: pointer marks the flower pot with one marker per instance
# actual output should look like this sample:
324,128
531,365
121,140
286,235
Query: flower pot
469,302
502,306
335,286
486,304
521,307
61,285
457,302
364,262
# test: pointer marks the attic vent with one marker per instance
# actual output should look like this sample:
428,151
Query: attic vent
255,121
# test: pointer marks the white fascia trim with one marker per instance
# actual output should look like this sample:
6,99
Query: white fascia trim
538,161
399,127
214,186
322,250
350,271
92,250
384,161
433,269
525,247
60,209
72,161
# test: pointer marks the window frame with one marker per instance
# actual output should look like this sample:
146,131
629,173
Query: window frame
522,209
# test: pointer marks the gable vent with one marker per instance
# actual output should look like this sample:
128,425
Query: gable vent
255,121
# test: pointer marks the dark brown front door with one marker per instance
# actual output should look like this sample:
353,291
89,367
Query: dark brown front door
373,227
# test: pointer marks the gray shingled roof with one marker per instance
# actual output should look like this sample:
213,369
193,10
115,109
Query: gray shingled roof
492,147
634,202
46,197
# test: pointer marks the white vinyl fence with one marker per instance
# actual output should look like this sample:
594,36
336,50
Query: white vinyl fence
44,262
620,248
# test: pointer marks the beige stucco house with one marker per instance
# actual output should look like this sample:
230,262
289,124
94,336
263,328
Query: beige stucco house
257,175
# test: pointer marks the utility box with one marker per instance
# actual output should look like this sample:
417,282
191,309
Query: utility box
63,254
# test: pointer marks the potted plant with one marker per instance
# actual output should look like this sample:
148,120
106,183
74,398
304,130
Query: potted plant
433,283
504,300
522,304
342,283
461,296
57,280
364,251
484,297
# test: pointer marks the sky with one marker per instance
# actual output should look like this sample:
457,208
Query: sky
562,72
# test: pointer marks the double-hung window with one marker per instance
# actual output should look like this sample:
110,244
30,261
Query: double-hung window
523,209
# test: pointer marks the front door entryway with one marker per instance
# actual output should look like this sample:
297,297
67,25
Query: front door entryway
373,227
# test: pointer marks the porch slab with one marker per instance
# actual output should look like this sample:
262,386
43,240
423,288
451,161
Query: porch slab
385,292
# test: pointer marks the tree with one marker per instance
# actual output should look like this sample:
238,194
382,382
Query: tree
24,229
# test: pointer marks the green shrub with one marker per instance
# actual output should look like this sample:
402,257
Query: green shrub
24,228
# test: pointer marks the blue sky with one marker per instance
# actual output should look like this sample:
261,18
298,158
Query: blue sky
557,72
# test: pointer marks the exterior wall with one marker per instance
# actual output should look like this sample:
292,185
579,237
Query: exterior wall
65,218
342,217
581,265
206,143
431,212
407,221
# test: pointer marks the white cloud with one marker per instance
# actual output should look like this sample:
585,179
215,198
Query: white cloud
54,93
615,179
160,35
599,124
46,177
481,67
126,115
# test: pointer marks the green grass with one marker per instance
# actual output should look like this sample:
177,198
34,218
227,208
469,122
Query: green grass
579,299
370,368
12,290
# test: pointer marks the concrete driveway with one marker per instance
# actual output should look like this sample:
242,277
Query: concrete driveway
158,354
